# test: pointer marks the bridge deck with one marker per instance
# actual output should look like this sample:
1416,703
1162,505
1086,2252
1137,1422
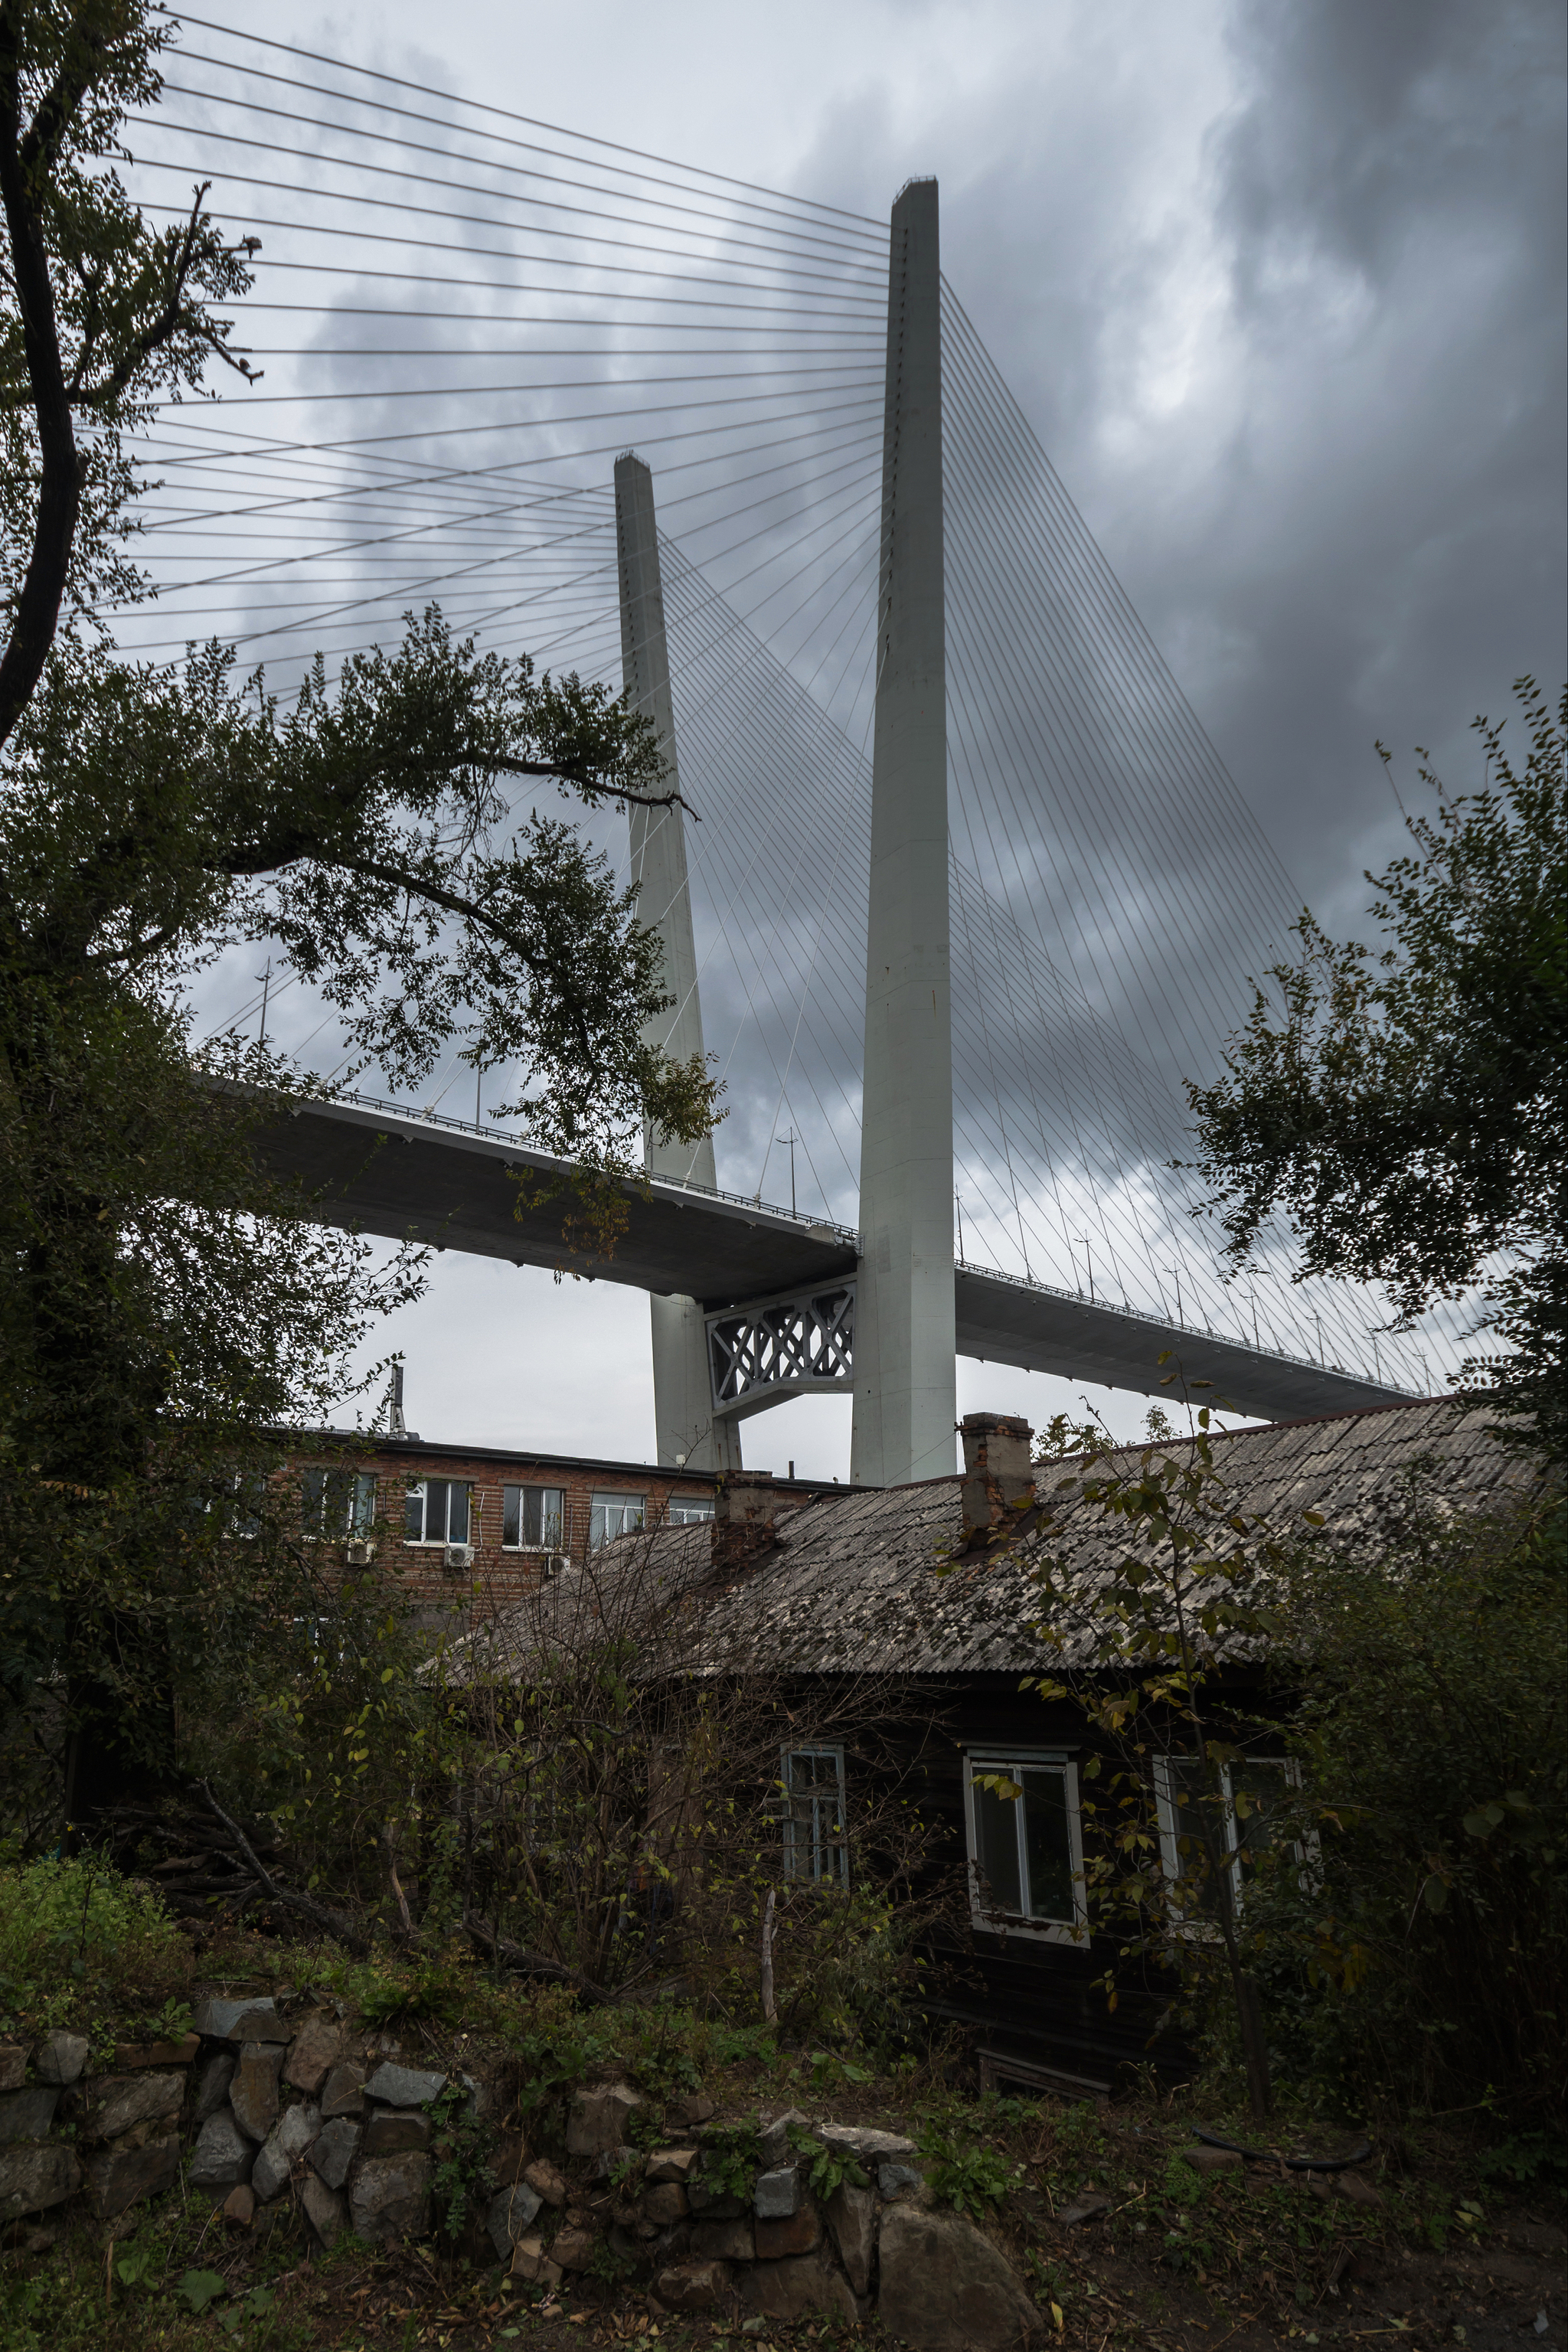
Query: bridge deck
394,1174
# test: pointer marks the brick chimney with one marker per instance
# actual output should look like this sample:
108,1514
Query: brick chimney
997,1473
743,1516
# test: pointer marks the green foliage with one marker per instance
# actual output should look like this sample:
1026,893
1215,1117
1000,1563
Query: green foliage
197,2289
1407,1109
827,2167
71,1929
429,1990
971,2180
731,2154
461,2146
1528,2157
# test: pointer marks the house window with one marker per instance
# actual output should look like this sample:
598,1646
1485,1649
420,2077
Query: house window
1026,1850
610,1516
336,1503
437,1512
816,1845
531,1518
1238,1815
686,1510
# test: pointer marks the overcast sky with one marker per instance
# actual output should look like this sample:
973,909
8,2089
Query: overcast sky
1280,288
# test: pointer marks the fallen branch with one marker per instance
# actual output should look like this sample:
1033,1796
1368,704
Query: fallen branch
334,1923
532,1964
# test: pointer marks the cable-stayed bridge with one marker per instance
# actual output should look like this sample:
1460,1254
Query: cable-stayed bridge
1105,890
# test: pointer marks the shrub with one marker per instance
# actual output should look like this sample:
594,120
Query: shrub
70,1928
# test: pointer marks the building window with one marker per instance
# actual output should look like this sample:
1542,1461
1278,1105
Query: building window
1240,1816
686,1510
531,1518
437,1512
814,1839
610,1516
337,1503
1025,1848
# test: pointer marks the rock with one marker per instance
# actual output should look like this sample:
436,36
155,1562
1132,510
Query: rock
1542,2238
26,2114
253,2094
530,2261
121,2176
1358,2189
344,2091
324,2209
945,2288
391,2130
851,2215
599,2117
221,2157
315,2049
789,2289
774,2139
796,2235
117,2103
1088,2209
723,2241
211,2086
60,2057
1213,2160
670,2164
693,2287
892,2180
255,2020
573,2247
128,2055
510,2211
868,2148
690,2111
717,2204
239,2206
665,2204
778,2194
391,2196
546,2179
34,2176
293,2133
333,2150
1317,2185
13,2065
404,2086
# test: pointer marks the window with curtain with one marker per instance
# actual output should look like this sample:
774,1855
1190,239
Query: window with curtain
439,1511
532,1518
337,1503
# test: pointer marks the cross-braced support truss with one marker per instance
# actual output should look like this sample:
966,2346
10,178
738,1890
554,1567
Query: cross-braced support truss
776,1348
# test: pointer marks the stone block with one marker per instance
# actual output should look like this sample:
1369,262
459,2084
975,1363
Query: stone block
723,2241
945,2288
547,2179
324,2209
795,2235
404,2086
530,2261
112,2103
774,2137
221,2157
393,2130
344,2091
13,2065
128,2055
670,2164
599,2117
893,2179
239,2206
510,2211
315,2049
665,2203
28,2115
211,2086
333,2149
1213,2160
120,2176
690,2111
778,2194
391,2197
693,2287
253,2094
867,2147
792,2289
716,2204
851,2216
34,2175
1357,2189
60,2057
573,2247
295,2131
254,2019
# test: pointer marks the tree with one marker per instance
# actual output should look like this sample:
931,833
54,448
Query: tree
163,1305
1408,1110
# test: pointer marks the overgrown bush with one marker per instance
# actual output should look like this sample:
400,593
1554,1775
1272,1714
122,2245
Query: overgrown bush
71,1931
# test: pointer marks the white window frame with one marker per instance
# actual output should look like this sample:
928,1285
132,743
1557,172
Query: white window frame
609,1499
803,1842
982,1762
421,1486
1306,1851
557,1519
689,1510
358,1499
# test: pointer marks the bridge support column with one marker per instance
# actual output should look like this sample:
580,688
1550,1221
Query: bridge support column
905,1394
682,1396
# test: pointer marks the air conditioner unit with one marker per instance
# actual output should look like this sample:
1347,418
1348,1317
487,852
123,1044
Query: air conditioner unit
457,1556
360,1552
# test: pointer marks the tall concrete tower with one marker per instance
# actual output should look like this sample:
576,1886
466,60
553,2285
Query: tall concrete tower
905,1398
682,1397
